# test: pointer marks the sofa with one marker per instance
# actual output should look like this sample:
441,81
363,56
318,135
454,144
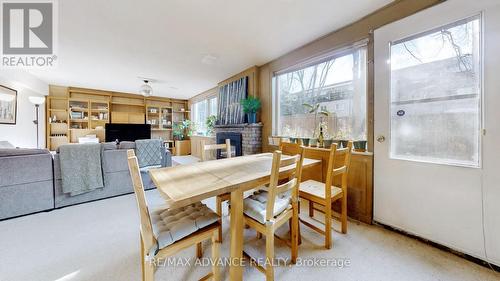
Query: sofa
30,179
26,182
115,173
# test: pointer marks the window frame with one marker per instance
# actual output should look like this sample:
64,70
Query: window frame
328,55
478,16
208,109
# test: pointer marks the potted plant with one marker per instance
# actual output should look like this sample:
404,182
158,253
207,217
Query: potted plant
189,126
360,144
342,138
250,106
322,112
178,131
327,143
210,124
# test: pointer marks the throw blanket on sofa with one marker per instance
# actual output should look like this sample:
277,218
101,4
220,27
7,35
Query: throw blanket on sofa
81,168
149,152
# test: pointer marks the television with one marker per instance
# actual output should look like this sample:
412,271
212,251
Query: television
127,132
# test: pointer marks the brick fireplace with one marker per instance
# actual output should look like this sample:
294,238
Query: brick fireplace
251,136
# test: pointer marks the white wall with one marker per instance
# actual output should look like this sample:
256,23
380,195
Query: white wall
23,133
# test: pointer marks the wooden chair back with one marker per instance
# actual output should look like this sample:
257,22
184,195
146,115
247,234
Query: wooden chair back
288,148
209,147
146,226
338,165
276,186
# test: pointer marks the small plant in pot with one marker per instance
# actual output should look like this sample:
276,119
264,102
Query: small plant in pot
305,141
327,143
342,138
360,144
250,106
178,131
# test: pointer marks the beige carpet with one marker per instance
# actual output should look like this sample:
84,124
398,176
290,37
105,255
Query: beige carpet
100,241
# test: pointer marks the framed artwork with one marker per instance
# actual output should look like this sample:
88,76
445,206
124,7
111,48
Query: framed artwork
8,105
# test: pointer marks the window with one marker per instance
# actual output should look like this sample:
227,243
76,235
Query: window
436,95
336,85
200,112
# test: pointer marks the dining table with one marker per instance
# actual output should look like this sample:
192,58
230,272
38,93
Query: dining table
186,184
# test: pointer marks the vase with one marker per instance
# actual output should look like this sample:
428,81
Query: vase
252,117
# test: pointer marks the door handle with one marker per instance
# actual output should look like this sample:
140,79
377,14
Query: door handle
380,139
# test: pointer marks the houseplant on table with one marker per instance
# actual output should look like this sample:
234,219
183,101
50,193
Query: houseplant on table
250,106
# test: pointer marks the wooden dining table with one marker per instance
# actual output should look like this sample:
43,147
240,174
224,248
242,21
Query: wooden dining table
186,184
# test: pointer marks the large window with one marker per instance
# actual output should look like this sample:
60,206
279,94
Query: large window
436,95
201,111
335,85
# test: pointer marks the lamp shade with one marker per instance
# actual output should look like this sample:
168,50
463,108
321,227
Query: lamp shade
37,100
146,89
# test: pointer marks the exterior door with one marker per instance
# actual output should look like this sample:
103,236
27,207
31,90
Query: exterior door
435,153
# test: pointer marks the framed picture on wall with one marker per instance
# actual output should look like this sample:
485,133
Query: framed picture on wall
8,105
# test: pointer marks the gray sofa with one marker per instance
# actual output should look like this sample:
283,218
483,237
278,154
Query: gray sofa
116,176
26,182
30,179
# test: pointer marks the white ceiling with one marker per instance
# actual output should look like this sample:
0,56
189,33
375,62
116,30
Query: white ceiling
108,44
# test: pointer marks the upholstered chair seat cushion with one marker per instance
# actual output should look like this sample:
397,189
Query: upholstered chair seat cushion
171,225
255,205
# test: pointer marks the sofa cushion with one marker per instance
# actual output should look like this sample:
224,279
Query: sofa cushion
149,152
5,152
126,145
24,169
109,145
114,161
255,205
171,225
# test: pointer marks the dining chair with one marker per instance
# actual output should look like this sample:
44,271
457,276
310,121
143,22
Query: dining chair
165,231
226,196
288,148
270,207
325,194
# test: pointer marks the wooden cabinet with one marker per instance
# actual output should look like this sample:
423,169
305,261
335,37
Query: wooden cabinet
136,118
182,147
359,183
119,117
127,117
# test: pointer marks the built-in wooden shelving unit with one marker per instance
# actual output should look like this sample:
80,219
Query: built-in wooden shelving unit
77,112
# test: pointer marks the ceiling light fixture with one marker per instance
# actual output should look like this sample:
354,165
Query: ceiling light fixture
146,89
209,59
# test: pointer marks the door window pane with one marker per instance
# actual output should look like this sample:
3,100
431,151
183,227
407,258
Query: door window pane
436,95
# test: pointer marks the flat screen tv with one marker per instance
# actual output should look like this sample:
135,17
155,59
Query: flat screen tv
127,132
